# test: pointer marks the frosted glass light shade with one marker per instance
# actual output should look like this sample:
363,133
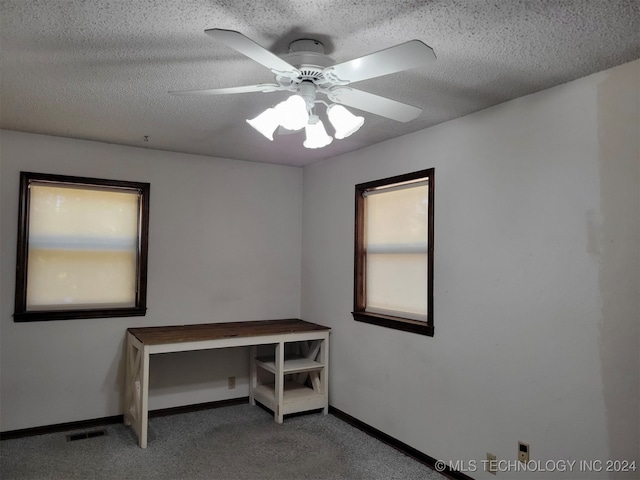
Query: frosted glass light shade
316,134
344,122
292,113
266,123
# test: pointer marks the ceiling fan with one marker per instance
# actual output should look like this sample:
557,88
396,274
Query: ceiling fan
307,71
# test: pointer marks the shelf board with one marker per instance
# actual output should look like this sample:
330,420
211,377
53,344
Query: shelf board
291,365
296,397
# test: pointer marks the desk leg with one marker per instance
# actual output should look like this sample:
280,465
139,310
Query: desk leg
129,383
137,389
144,399
324,373
279,384
253,373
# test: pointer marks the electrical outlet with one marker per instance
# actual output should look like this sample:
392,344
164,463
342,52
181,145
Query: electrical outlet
232,383
492,464
523,452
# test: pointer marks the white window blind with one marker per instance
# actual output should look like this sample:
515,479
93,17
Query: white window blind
83,247
396,236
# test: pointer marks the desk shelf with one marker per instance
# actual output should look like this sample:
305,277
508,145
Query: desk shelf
291,365
290,383
296,398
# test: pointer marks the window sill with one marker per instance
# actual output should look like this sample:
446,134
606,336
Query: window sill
45,315
396,323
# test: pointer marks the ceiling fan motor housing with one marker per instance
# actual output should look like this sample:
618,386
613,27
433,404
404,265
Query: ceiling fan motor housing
307,55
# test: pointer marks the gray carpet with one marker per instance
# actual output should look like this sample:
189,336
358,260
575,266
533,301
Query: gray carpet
237,442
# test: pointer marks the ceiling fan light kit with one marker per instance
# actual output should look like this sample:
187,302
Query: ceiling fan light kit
307,71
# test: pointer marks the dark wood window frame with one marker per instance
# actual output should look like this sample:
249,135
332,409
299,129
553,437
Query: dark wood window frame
359,292
21,314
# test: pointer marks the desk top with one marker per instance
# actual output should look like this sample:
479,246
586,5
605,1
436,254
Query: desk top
214,331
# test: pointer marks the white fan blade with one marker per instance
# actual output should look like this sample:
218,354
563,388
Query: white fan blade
391,60
251,49
263,87
369,102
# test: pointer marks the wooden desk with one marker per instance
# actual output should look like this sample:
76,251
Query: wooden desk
305,366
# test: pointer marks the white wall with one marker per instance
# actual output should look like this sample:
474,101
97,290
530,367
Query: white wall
537,265
225,245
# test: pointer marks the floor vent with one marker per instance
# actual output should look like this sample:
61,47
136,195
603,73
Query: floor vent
82,435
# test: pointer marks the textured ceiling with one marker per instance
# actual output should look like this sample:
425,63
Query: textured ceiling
101,69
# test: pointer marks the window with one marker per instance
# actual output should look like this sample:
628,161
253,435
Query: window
393,277
82,248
